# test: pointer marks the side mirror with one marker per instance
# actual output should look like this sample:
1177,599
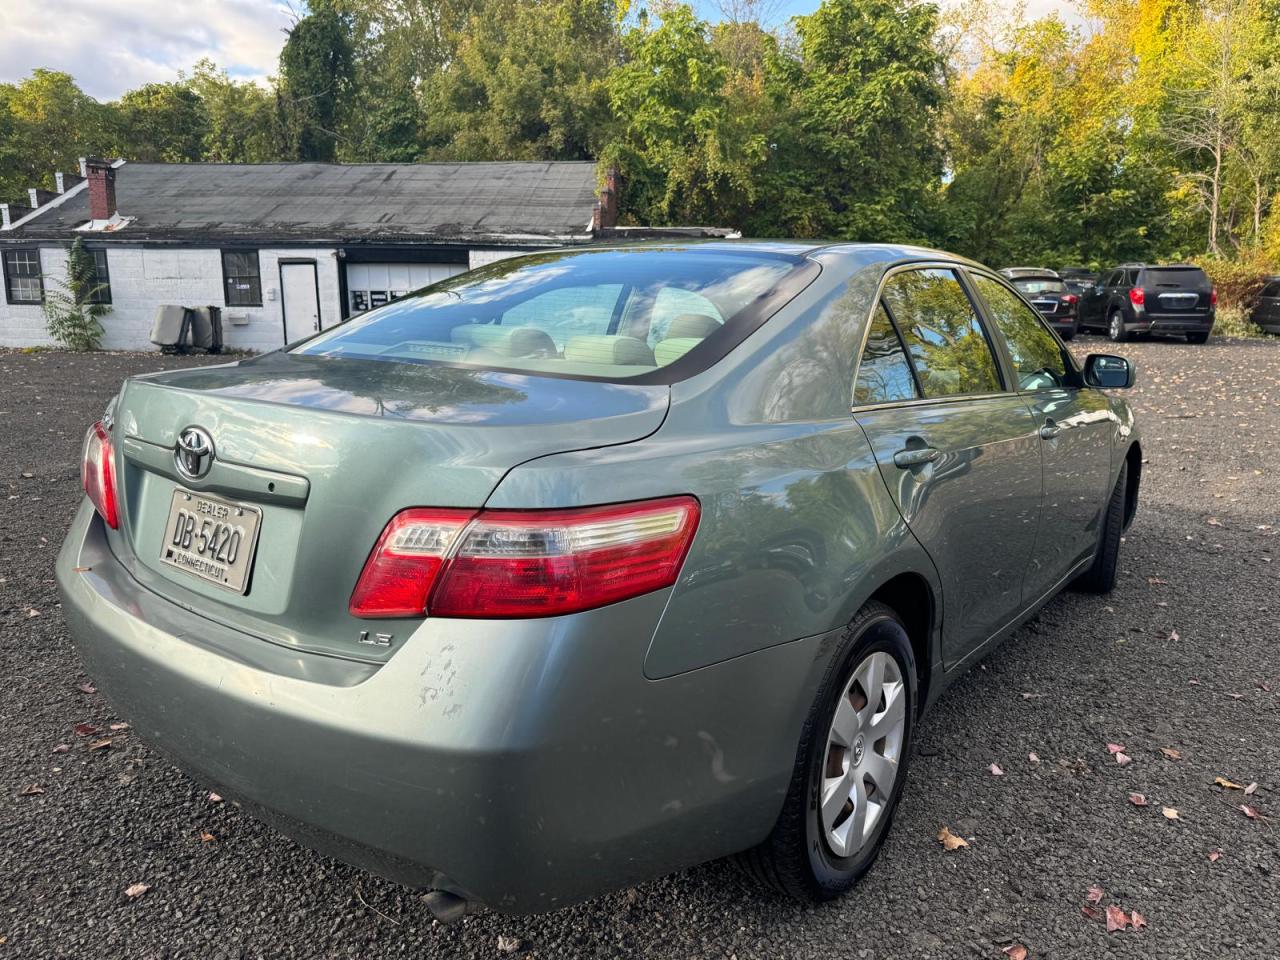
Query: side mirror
1107,372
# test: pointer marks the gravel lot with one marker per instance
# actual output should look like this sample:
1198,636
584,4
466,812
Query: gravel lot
1184,655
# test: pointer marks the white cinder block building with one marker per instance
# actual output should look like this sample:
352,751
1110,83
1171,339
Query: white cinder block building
283,249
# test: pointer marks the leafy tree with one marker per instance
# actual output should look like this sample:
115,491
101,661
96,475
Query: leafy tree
527,82
315,77
241,117
48,124
162,123
71,308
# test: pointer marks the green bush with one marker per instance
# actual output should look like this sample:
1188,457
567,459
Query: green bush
1238,281
69,311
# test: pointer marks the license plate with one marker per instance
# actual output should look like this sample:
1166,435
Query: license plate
211,538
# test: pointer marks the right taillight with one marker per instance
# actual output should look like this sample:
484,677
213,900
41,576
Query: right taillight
98,474
1138,296
526,563
1213,296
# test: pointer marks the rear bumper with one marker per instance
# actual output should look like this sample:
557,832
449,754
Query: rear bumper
1172,323
524,764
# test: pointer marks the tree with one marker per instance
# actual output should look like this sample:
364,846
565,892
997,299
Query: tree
315,78
48,124
527,82
162,123
72,309
685,153
857,152
241,117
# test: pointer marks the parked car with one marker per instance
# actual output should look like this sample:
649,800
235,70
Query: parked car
1015,272
1146,298
1053,299
585,566
1079,279
1266,312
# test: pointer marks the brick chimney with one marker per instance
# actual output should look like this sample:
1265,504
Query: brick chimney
102,188
606,210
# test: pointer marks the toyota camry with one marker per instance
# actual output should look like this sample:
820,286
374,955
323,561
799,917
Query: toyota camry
590,565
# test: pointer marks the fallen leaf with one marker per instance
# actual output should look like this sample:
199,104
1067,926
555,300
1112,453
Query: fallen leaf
31,790
1137,799
135,890
1169,813
1214,855
1154,581
33,612
1095,894
1089,912
949,840
1114,748
86,687
995,770
1226,784
509,944
1117,919
214,798
207,837
1033,758
62,748
86,729
1015,951
1123,758
102,744
1137,919
1250,812
1173,635
1171,753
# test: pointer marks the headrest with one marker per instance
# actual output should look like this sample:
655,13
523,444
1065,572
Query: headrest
673,348
697,325
505,341
607,349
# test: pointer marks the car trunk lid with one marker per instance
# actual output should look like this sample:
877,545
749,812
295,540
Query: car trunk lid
324,451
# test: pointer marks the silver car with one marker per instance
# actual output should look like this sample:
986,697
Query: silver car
590,565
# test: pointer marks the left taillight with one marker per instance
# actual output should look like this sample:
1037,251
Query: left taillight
526,563
98,474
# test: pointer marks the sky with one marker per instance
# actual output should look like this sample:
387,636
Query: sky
110,46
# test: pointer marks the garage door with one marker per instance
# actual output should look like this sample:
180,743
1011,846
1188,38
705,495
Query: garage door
371,285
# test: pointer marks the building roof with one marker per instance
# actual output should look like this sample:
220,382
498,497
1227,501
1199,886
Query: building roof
370,202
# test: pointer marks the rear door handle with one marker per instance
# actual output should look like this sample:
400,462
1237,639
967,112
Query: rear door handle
915,456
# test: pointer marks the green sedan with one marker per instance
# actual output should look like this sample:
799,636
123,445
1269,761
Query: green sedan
587,566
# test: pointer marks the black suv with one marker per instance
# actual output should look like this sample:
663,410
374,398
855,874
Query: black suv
1266,313
1146,298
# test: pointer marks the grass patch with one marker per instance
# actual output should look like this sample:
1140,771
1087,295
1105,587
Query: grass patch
1233,321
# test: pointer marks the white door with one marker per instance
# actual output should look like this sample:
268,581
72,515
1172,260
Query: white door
301,300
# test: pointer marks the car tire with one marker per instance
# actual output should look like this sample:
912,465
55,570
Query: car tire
1197,338
1115,327
1069,334
798,857
1101,576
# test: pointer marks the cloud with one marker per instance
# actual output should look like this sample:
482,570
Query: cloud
111,46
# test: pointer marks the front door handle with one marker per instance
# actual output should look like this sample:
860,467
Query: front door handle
915,457
1049,430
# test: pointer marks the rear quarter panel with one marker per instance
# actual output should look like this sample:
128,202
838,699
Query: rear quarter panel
797,526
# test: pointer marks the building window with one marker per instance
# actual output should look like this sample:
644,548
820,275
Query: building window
22,280
241,278
101,278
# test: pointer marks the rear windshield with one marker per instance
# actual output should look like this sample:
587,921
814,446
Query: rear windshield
1040,285
1175,277
604,314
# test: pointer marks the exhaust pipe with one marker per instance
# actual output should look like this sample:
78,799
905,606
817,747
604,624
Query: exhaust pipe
444,906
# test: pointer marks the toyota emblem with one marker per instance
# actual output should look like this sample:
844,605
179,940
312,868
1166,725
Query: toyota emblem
194,452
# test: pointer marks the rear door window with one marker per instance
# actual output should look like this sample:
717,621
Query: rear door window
1038,359
942,333
884,373
1271,290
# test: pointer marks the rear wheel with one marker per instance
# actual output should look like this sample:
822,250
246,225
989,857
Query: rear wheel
1115,327
850,766
1202,337
1070,332
1101,576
